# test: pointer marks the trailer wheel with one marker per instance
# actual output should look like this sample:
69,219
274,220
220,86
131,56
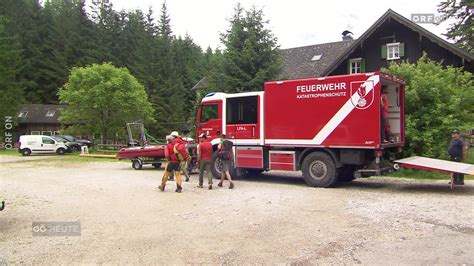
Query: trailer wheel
137,164
319,170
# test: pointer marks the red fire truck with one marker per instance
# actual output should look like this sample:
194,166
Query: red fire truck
329,128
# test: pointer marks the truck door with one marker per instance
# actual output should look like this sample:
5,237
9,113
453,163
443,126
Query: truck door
242,117
210,119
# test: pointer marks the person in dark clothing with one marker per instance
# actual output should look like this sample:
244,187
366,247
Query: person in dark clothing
225,155
456,150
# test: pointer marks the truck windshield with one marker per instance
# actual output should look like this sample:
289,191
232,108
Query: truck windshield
209,112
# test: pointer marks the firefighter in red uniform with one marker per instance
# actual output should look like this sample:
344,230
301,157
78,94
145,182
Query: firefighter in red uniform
204,160
386,132
175,154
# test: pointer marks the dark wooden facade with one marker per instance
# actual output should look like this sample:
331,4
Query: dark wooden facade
394,28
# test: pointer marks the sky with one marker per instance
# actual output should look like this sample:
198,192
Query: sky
294,22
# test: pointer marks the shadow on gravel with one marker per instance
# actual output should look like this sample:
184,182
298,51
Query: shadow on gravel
273,178
404,186
371,184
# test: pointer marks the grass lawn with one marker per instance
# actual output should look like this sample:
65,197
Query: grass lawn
68,157
12,152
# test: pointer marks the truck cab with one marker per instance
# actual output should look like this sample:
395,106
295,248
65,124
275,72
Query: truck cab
239,116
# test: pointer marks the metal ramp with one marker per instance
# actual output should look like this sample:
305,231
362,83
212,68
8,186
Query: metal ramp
430,164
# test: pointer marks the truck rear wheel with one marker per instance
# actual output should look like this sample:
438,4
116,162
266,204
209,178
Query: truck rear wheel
319,170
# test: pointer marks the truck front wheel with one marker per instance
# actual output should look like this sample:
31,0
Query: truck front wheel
319,170
216,165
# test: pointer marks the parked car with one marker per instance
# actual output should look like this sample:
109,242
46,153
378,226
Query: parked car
73,139
30,144
72,145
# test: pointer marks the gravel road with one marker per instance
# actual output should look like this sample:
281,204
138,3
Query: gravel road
267,219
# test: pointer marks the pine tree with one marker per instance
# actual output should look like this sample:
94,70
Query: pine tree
250,57
164,24
11,90
462,30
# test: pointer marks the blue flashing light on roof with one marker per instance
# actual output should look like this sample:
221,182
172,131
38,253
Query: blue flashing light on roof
210,94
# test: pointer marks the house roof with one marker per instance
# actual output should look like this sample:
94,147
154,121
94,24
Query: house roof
36,113
202,84
390,14
300,62
303,62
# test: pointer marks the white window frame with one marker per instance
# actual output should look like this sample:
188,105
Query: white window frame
23,114
46,132
35,132
55,133
50,113
357,68
395,49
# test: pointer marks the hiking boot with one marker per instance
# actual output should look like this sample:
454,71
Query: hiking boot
199,186
231,186
220,184
210,187
178,189
162,188
187,179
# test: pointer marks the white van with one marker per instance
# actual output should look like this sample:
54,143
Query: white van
40,144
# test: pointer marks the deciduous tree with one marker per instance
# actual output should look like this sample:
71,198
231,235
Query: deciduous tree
437,100
102,99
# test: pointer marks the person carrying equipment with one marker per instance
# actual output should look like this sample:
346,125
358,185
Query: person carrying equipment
225,155
169,138
175,154
185,164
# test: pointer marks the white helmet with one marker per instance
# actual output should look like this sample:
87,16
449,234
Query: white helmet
174,134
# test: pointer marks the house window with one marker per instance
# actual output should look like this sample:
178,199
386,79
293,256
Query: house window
393,51
46,133
355,66
316,57
35,133
56,133
23,114
50,113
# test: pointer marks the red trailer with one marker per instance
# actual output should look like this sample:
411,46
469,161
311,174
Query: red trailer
329,128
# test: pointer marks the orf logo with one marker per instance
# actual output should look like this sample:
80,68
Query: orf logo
362,94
